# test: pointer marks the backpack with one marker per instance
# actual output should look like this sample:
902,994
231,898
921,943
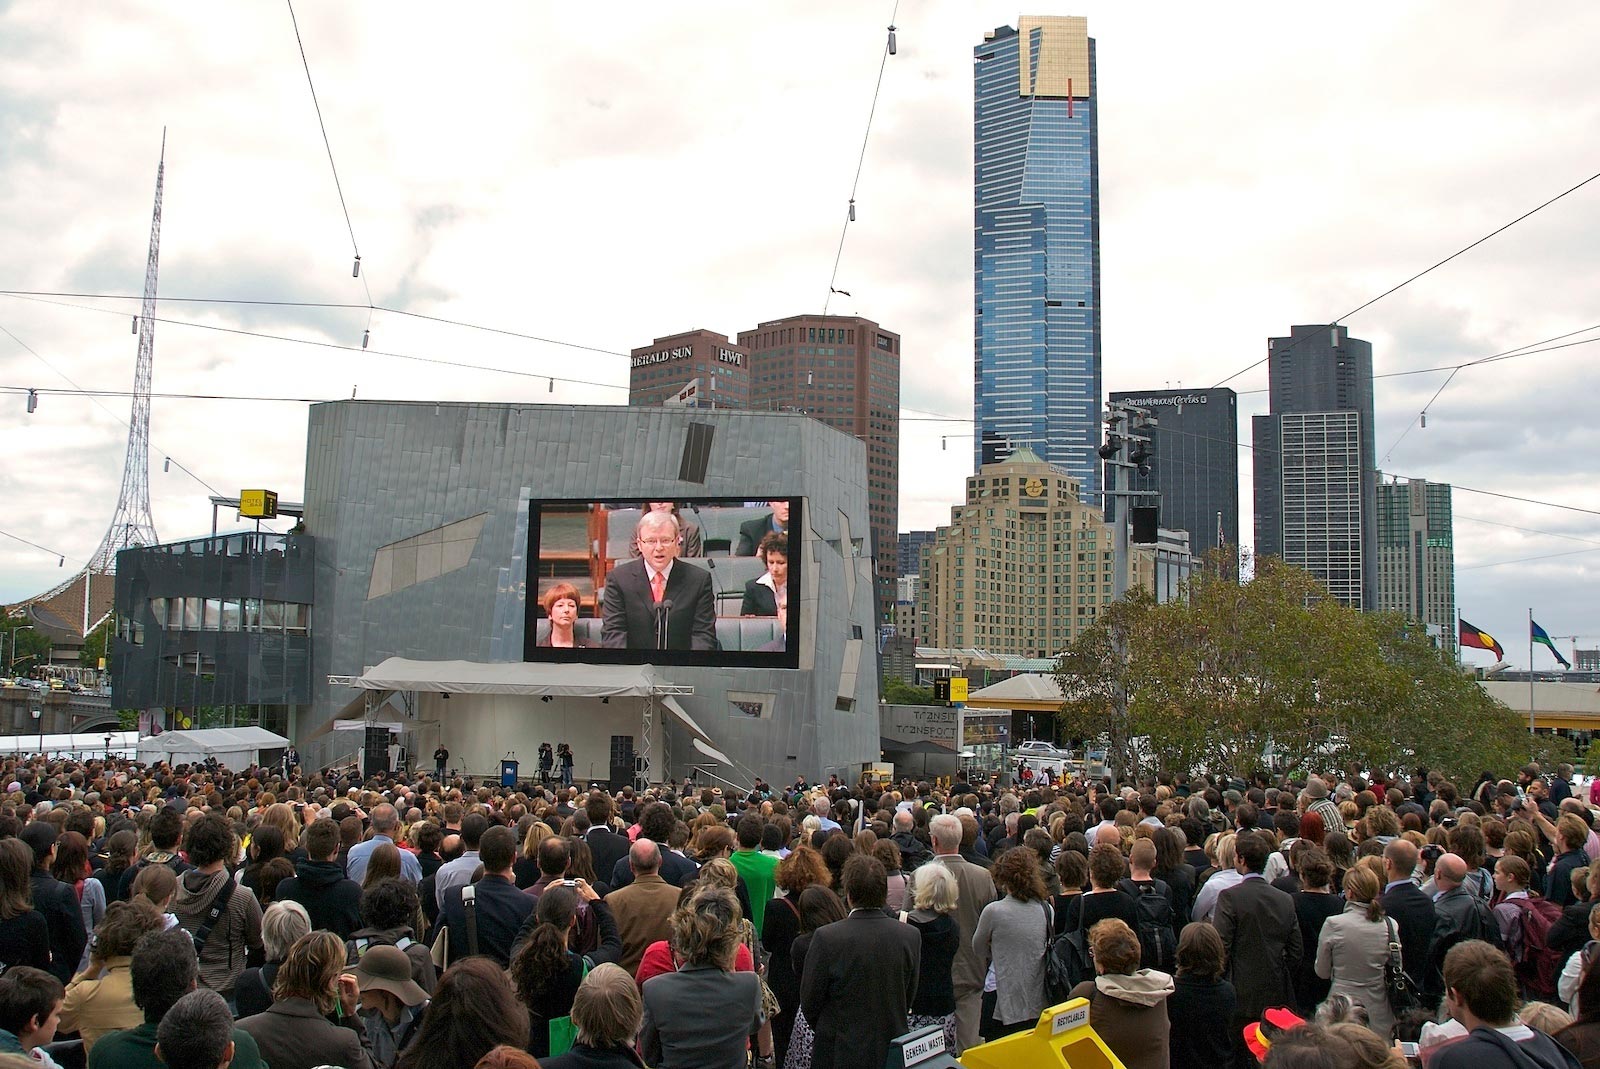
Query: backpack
1068,961
1158,946
1538,965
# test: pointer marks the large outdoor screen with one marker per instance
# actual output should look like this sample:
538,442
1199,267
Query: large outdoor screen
693,582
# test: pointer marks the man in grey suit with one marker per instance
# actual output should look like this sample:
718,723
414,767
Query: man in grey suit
861,974
976,888
639,593
1262,937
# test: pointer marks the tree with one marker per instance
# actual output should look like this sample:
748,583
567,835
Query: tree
1237,676
97,644
897,691
31,649
1094,674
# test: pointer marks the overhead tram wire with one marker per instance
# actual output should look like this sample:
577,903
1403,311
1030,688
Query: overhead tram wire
850,212
337,185
63,557
1399,286
41,295
336,345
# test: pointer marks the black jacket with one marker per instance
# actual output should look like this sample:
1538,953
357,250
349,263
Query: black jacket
332,900
913,851
501,909
751,532
675,869
608,848
583,1056
1413,912
59,906
859,983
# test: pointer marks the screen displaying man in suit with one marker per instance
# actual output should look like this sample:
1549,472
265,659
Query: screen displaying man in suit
656,594
751,532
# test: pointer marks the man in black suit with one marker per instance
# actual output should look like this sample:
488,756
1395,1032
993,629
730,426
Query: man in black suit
1261,934
655,824
638,591
751,532
606,845
1412,910
56,901
861,974
500,907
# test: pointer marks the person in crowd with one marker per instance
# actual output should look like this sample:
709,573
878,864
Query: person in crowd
1175,872
266,846
197,1033
860,976
656,823
1261,940
819,907
71,867
1221,849
166,830
1127,1004
888,856
1511,880
1459,915
223,920
100,998
1481,997
932,914
546,970
551,860
385,825
1314,903
121,850
389,909
676,1033
30,1010
635,589
1572,835
473,1010
1201,1008
560,605
781,926
332,899
1411,910
1103,899
392,1002
500,910
1072,874
1011,931
281,925
975,890
757,871
1582,1036
295,1031
643,909
1353,950
606,1014
55,901
458,871
24,933
163,971
606,846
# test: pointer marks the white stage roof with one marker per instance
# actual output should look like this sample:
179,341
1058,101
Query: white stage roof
516,677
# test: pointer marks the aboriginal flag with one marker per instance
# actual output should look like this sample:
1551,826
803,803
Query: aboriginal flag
1480,640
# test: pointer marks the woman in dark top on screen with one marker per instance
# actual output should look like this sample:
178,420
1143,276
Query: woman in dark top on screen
560,605
1202,1002
24,935
1314,903
935,895
1106,867
780,926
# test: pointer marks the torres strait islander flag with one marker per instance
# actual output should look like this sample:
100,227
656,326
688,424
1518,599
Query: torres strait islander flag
1480,640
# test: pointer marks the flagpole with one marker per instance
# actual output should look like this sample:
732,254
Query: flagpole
1530,673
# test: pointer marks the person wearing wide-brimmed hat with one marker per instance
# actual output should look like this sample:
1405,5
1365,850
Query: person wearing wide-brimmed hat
391,1002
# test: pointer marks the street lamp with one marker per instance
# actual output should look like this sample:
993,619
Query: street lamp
108,747
38,716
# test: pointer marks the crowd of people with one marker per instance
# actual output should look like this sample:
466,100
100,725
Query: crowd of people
197,917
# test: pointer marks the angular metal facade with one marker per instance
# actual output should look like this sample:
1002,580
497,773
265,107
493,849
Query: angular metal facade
379,473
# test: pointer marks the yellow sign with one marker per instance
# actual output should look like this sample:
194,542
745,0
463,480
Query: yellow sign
958,688
1061,1040
1033,488
258,504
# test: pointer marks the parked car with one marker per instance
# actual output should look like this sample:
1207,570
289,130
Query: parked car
1038,748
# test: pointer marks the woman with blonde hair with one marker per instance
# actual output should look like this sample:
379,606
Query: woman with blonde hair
526,867
1221,850
677,1032
1354,948
310,987
719,872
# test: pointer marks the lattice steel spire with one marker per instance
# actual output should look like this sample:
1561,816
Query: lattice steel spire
131,524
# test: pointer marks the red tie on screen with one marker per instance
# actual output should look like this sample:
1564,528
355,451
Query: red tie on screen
658,584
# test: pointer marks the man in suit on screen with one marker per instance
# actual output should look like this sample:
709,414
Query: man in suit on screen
751,532
654,592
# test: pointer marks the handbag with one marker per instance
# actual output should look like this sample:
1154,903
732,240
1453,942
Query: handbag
1068,961
562,1032
1403,997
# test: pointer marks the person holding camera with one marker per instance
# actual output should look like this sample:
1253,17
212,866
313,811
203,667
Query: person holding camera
564,753
546,971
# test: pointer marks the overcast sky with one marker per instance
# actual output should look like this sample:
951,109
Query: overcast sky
609,178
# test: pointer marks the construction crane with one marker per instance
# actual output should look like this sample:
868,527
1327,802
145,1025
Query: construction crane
1574,640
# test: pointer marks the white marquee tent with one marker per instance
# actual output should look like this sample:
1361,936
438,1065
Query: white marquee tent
234,747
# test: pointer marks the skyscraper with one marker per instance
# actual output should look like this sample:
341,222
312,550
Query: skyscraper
1036,246
844,371
661,370
1315,461
1416,556
1194,461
